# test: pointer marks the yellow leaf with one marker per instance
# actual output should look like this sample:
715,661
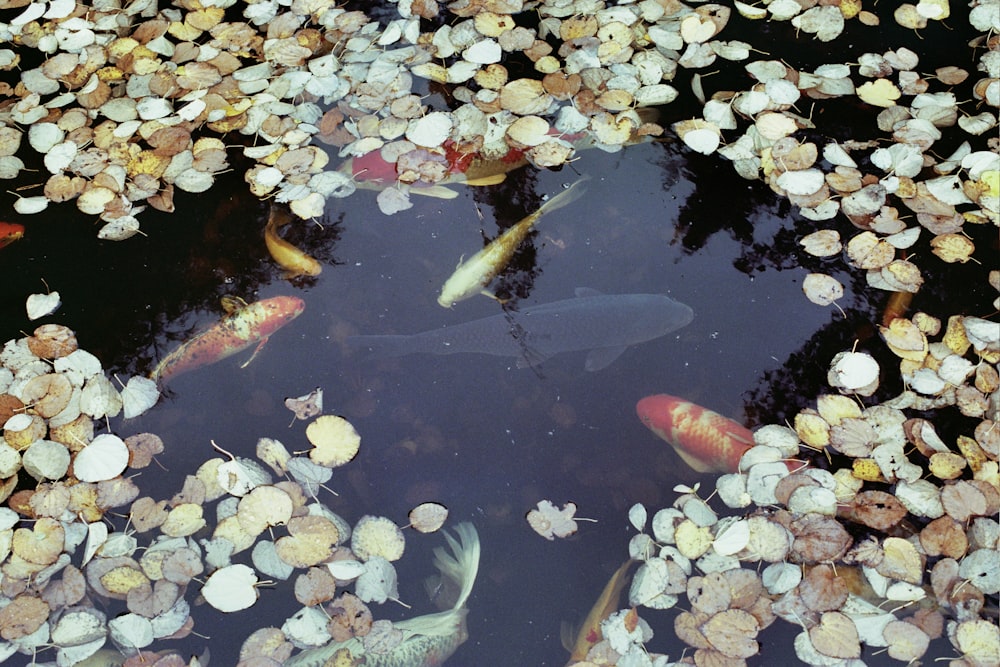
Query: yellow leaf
905,339
867,470
972,452
954,336
812,429
122,579
879,93
952,248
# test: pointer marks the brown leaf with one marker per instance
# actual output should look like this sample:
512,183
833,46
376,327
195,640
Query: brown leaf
877,509
822,590
944,537
836,636
732,633
818,539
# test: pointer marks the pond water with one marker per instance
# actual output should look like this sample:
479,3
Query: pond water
473,432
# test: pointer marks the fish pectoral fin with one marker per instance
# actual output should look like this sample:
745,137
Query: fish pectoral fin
493,296
691,460
603,357
256,350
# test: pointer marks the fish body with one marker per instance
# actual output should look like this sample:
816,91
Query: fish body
245,326
705,440
427,640
10,232
607,604
294,260
474,274
605,324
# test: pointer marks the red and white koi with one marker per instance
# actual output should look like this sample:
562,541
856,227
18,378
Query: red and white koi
242,326
705,440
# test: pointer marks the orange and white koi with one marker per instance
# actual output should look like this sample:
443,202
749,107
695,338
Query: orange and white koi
242,326
705,440
10,232
607,604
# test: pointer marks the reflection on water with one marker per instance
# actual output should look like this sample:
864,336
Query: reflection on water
471,431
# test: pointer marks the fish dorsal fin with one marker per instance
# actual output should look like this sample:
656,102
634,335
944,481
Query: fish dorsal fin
587,291
603,357
434,191
492,179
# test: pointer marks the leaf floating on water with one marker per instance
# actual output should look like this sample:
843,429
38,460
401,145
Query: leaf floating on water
550,522
349,617
306,406
334,440
139,395
428,517
104,458
377,536
40,305
822,289
231,588
382,638
836,636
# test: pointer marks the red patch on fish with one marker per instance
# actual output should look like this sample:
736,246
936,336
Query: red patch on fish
10,232
707,441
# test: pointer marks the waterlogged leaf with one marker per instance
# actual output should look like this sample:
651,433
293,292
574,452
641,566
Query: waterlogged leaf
231,588
428,517
393,200
349,617
306,406
550,522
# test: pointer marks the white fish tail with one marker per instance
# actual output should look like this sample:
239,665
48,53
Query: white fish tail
564,198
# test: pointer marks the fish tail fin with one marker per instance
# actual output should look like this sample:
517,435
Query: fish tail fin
566,197
462,567
378,347
458,570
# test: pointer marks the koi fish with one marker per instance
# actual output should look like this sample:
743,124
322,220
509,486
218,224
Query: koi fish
604,324
295,261
472,276
607,604
428,640
10,232
705,440
242,326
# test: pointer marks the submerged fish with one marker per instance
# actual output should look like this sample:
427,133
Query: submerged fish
294,260
10,232
242,326
427,640
607,604
705,440
473,275
605,324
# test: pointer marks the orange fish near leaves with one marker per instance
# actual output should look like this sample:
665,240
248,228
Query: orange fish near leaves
243,325
10,232
707,441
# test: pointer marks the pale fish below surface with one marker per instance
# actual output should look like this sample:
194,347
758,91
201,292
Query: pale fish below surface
428,640
605,324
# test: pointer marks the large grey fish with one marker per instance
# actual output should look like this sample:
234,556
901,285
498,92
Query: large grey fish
605,324
428,640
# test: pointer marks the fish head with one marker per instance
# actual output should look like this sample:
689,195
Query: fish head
705,440
279,311
664,315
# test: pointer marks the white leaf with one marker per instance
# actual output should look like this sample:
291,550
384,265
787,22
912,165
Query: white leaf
40,305
104,458
378,583
139,395
231,588
131,631
637,516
